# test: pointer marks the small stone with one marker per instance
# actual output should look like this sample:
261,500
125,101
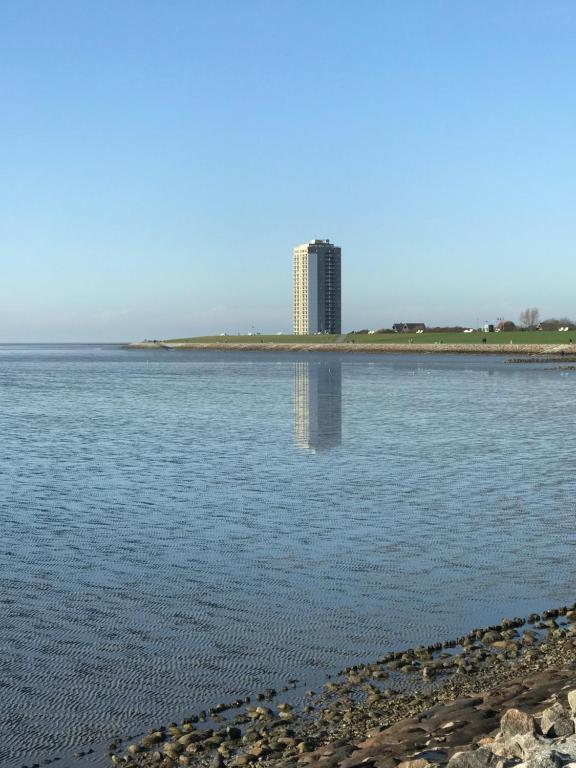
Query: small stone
188,738
240,760
516,723
419,763
214,741
152,738
260,749
572,700
173,749
304,746
504,645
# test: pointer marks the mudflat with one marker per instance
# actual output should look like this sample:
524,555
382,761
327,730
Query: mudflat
418,708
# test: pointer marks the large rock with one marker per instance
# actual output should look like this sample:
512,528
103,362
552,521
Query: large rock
479,758
519,746
572,700
566,746
434,756
517,723
383,761
556,721
544,759
542,753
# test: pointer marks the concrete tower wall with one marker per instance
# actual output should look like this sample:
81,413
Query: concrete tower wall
317,288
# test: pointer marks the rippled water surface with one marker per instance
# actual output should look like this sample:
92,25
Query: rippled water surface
180,528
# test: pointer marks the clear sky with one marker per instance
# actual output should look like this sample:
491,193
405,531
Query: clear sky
159,160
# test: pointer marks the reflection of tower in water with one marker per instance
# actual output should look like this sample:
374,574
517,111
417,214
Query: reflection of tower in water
318,405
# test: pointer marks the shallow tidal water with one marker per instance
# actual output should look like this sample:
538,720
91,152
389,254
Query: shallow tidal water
183,528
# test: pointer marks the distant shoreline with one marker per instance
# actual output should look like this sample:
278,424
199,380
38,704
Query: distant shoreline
348,347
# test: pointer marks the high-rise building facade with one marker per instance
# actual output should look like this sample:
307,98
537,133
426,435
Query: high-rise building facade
317,288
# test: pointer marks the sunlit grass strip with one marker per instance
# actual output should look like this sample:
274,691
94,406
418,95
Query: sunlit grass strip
477,337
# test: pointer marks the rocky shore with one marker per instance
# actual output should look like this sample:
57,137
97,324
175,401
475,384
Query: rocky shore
344,347
498,697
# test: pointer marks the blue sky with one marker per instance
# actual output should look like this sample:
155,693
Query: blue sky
160,159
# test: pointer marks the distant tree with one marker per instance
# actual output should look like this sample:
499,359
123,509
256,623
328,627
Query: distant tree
506,325
529,317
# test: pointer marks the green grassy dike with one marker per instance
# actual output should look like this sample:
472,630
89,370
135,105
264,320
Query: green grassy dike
477,337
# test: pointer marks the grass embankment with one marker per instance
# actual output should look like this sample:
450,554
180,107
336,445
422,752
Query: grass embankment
256,339
477,337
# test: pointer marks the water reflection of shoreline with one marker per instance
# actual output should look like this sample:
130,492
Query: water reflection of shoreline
318,405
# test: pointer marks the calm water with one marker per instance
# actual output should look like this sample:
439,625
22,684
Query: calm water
182,528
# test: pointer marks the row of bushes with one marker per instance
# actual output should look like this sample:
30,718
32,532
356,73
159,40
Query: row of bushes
504,325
